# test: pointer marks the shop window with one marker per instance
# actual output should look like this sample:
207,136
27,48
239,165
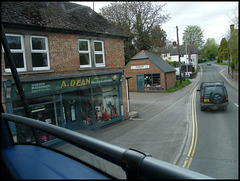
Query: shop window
106,104
152,80
39,53
16,45
48,112
84,53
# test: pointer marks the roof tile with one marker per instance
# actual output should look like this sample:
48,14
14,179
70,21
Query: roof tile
57,15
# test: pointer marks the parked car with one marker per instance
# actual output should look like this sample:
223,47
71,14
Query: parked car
213,95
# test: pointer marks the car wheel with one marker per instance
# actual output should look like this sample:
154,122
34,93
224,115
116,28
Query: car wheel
216,98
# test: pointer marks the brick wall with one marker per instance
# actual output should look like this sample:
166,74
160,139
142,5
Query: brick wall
114,52
64,56
170,77
63,52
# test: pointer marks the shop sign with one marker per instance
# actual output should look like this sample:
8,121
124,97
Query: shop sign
135,67
46,86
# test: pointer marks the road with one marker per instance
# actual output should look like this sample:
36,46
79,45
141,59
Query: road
160,129
164,129
216,134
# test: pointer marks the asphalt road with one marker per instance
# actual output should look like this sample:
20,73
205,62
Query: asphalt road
160,129
216,149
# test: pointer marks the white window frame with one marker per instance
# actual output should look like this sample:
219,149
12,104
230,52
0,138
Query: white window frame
22,50
99,53
41,51
89,53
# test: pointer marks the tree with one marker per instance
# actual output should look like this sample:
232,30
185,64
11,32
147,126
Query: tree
158,39
210,50
193,35
222,51
233,49
137,19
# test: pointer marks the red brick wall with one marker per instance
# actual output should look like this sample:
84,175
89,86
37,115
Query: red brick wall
171,77
63,52
114,53
64,57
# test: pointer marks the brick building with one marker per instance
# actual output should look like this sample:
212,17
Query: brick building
149,73
70,61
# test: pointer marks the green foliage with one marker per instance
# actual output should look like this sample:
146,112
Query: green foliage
233,48
232,65
201,60
179,86
210,50
174,64
193,35
222,51
158,39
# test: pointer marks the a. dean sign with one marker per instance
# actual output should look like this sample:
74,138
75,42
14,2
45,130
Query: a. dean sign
61,84
135,67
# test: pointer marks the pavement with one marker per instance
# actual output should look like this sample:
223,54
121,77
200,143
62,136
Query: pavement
163,138
228,78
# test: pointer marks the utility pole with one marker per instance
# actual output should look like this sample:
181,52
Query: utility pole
179,57
186,58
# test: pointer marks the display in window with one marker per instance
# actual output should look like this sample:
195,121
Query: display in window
86,109
106,105
152,80
73,114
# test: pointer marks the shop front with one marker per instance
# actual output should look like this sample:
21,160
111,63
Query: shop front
79,101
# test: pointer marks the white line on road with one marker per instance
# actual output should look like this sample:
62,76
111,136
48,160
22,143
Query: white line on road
236,104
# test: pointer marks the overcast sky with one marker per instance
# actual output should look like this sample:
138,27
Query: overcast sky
212,17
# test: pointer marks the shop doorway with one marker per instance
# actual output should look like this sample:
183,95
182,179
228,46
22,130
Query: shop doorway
140,82
71,111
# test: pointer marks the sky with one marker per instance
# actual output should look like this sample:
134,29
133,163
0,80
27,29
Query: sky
212,17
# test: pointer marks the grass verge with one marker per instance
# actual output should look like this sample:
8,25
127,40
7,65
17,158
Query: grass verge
179,86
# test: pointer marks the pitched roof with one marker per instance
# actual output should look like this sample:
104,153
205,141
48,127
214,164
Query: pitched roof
165,50
56,16
155,59
193,49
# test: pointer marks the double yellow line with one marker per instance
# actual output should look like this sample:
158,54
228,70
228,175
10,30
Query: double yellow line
191,151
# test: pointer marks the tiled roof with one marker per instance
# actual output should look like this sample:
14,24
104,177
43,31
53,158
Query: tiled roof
56,16
193,50
155,59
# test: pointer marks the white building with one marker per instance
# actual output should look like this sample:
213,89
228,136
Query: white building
171,54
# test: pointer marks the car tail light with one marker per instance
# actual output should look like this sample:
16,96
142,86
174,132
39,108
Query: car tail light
227,98
201,99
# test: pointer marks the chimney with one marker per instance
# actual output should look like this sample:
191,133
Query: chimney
231,28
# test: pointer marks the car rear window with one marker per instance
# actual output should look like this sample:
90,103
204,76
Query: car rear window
213,89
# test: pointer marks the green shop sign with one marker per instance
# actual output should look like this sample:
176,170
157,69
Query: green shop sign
63,84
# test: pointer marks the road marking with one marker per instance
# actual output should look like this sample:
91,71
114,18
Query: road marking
191,151
236,104
167,108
